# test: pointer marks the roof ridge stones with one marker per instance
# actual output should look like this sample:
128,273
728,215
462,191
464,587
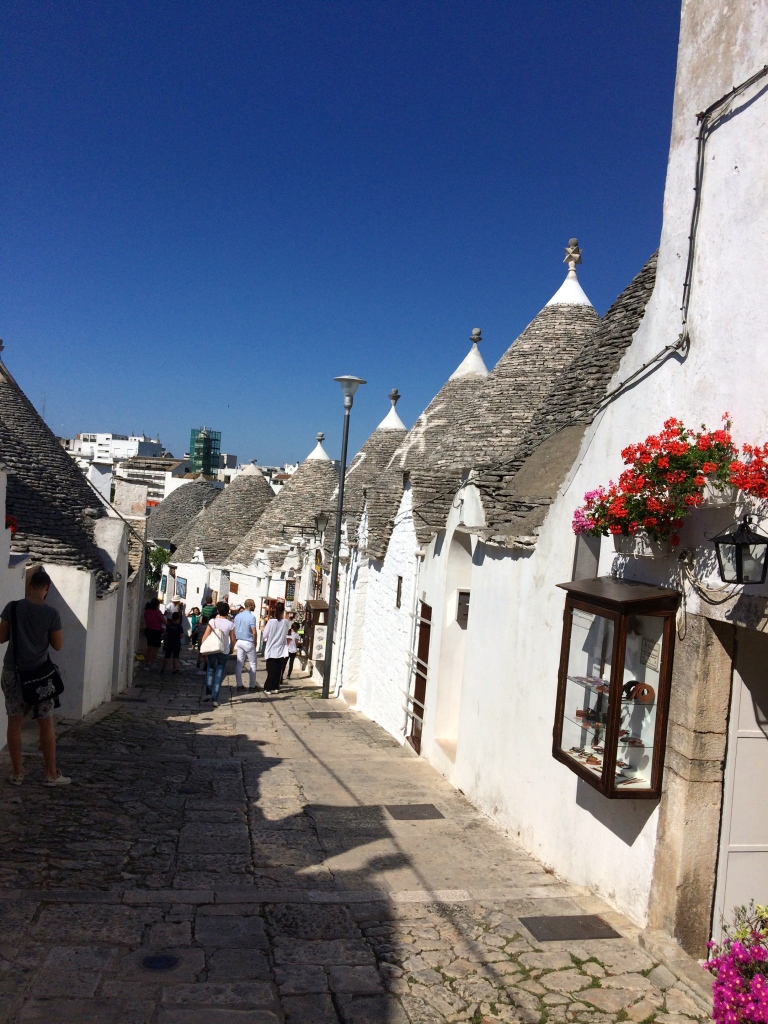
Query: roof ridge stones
175,512
54,506
308,491
516,494
220,526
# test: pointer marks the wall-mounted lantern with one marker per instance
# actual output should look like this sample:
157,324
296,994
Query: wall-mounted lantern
742,554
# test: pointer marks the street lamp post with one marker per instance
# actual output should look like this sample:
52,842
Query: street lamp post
349,386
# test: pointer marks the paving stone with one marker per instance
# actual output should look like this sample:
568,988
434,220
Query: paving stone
91,1011
86,958
216,1016
661,977
238,965
251,994
191,962
170,934
301,979
318,1009
642,1010
92,924
554,960
609,1000
364,981
312,922
678,1002
65,984
328,953
371,1010
564,981
231,932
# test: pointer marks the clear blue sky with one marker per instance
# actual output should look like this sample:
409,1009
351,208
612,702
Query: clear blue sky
211,209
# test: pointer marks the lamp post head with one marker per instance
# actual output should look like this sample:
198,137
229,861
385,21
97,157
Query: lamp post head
321,522
349,386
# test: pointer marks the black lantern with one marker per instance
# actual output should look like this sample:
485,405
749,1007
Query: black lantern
742,554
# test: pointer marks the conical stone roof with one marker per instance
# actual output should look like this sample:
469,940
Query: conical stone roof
217,529
373,458
309,490
49,497
179,508
516,493
438,428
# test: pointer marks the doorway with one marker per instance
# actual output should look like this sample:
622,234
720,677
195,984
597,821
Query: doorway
418,690
742,873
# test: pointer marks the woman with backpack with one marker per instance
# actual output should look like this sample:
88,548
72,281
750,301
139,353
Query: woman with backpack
217,644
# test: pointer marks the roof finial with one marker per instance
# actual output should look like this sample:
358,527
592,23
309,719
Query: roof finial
320,437
2,346
394,397
476,337
572,254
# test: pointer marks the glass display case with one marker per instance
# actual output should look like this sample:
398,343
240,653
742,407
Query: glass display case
613,690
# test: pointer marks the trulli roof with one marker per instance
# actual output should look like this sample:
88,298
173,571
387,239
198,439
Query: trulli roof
308,491
217,529
517,492
414,458
53,504
180,508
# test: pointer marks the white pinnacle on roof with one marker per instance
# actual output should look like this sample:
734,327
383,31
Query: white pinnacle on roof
392,421
570,292
472,364
318,452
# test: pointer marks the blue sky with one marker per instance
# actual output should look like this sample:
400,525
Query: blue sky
211,209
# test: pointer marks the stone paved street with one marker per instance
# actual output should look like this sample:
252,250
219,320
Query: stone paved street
238,865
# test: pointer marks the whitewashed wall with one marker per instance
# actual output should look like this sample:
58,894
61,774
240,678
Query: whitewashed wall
503,758
388,630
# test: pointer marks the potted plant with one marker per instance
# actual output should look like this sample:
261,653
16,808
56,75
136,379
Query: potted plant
668,475
740,968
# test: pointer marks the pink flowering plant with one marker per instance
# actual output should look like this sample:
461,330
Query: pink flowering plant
663,483
740,969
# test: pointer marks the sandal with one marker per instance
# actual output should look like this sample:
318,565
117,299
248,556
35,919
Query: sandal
15,780
60,780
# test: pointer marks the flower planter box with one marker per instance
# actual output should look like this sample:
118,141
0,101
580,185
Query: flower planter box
714,498
640,545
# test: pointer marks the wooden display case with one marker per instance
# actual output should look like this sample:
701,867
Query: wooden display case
613,689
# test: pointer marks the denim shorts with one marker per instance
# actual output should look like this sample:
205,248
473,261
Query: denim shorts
14,702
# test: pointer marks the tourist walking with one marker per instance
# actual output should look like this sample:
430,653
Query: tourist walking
194,622
275,648
172,643
221,629
293,647
37,627
208,612
246,634
154,625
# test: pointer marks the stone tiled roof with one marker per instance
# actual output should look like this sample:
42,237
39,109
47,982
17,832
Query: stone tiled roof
217,529
439,428
494,422
53,504
309,490
179,508
517,491
368,464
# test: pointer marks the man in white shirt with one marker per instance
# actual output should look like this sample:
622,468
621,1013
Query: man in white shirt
246,632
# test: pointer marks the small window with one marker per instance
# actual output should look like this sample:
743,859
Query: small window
399,597
462,609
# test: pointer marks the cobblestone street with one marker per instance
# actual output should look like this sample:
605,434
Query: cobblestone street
239,865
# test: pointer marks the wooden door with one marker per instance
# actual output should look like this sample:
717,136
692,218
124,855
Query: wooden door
743,865
417,698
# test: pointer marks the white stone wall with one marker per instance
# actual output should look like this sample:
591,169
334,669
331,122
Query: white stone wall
388,630
503,757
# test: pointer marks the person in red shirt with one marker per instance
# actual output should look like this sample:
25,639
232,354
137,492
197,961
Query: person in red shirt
154,625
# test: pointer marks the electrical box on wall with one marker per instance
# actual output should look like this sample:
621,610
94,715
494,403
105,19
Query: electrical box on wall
613,689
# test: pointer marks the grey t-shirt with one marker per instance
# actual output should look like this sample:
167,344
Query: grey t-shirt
34,624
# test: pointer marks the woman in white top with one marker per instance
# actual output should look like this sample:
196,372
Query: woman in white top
224,629
293,648
275,648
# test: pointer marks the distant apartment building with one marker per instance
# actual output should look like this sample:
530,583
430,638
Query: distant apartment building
114,447
160,474
278,476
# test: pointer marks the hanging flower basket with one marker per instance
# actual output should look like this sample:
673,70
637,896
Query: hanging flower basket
717,495
641,545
